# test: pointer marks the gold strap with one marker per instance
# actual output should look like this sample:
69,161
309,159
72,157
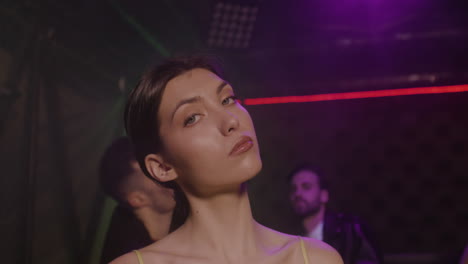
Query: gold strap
140,260
304,252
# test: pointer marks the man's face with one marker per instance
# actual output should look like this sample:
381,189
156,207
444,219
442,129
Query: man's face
305,194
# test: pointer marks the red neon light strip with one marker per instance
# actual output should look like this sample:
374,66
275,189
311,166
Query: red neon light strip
356,95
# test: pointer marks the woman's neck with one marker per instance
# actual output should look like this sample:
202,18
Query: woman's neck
223,223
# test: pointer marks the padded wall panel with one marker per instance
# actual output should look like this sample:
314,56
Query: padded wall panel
399,162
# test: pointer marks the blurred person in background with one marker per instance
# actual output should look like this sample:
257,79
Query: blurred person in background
346,233
464,256
145,208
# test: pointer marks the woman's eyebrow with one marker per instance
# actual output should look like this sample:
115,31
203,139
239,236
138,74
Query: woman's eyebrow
221,86
185,101
196,98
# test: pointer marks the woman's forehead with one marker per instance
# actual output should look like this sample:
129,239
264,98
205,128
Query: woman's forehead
190,84
193,79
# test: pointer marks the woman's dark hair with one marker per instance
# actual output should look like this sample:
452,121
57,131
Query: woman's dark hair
141,112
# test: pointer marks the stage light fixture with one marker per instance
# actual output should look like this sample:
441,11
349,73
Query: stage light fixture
232,25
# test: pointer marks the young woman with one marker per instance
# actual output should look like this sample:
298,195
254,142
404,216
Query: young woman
190,133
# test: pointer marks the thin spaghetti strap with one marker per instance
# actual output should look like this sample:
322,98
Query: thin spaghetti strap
304,251
140,260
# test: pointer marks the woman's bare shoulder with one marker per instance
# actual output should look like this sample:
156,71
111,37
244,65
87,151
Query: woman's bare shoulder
164,251
148,255
129,258
320,252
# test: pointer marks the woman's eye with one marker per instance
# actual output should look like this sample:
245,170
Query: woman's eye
229,100
191,119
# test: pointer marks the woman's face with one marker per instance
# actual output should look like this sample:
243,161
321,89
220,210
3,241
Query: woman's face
208,137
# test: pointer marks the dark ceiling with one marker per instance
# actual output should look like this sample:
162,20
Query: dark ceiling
297,47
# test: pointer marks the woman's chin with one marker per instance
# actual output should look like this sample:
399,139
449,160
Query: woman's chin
251,170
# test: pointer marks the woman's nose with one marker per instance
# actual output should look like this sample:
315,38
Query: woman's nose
230,123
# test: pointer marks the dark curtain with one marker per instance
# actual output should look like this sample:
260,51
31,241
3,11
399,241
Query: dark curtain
58,114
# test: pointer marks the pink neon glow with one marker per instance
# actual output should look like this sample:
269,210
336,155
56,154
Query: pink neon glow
356,95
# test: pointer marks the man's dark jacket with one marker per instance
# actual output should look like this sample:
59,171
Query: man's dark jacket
351,237
125,233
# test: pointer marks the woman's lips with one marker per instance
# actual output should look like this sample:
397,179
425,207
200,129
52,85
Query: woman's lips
244,144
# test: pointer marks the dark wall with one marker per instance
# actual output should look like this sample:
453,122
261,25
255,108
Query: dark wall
399,162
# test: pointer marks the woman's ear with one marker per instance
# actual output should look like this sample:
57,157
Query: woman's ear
158,169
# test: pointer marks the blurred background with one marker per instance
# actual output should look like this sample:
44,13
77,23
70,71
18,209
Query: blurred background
400,162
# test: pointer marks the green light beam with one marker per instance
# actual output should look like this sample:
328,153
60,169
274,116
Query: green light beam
143,32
